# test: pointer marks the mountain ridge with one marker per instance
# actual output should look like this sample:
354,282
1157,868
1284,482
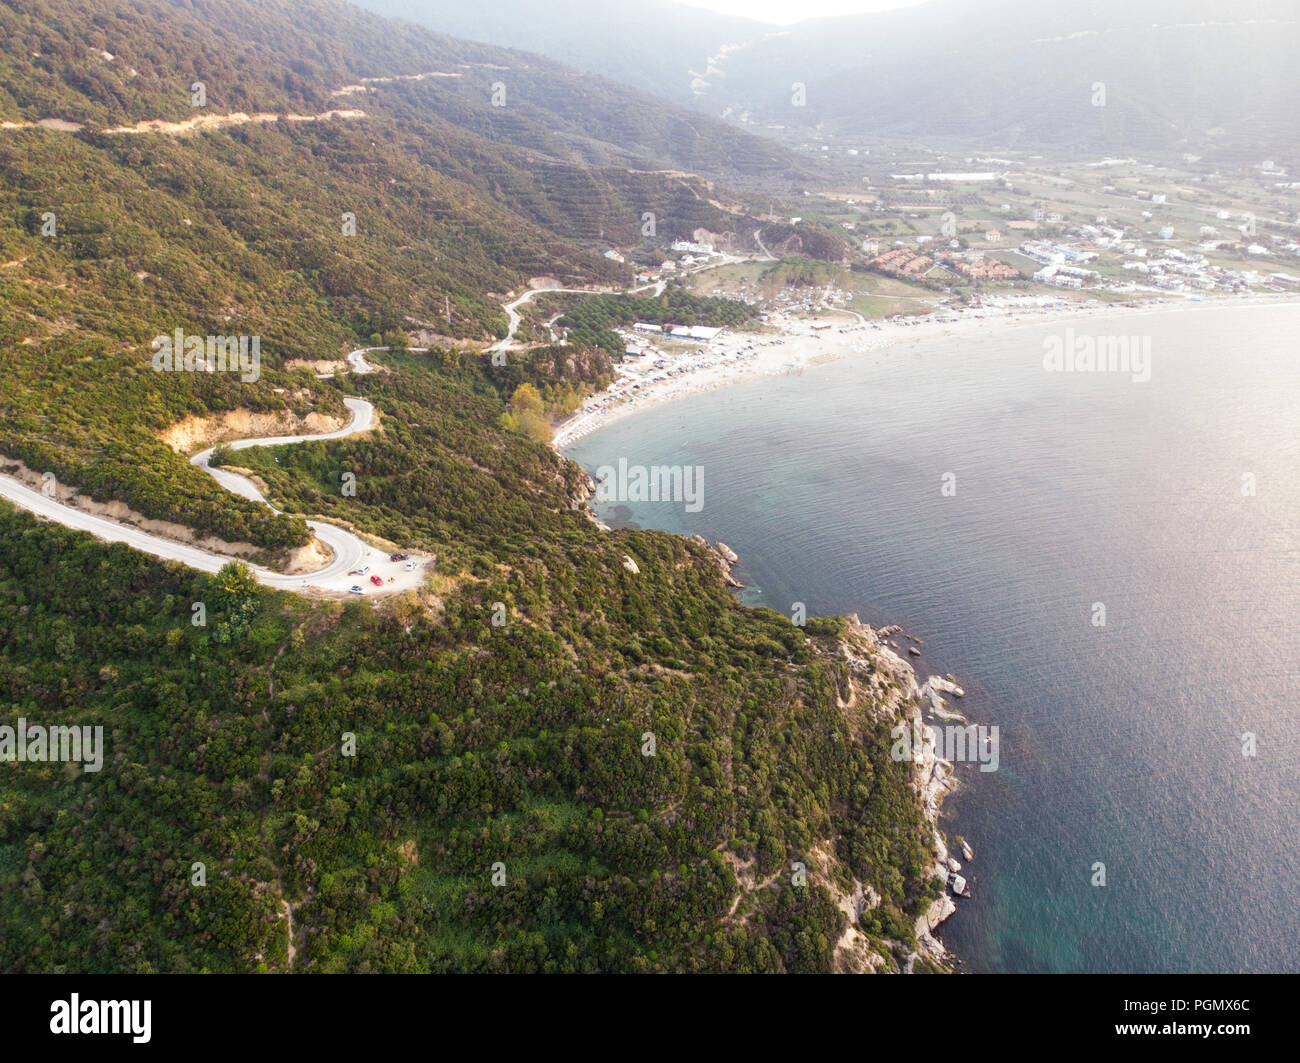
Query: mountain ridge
1178,76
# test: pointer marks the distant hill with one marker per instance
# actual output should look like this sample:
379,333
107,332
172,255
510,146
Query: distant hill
1179,75
109,66
658,47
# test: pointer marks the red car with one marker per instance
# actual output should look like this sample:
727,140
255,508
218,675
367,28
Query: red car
376,581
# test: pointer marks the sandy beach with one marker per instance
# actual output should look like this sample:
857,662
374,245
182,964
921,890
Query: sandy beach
792,343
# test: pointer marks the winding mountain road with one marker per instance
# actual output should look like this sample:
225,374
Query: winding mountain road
658,287
512,313
350,552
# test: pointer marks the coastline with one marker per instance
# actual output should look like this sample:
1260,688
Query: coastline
793,346
932,777
892,689
868,652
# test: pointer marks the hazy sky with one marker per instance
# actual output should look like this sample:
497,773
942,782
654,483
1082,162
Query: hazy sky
787,11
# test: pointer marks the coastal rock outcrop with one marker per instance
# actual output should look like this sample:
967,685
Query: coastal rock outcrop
926,943
724,556
580,499
873,661
940,847
932,689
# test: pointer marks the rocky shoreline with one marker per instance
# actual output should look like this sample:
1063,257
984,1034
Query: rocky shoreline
869,652
889,678
725,557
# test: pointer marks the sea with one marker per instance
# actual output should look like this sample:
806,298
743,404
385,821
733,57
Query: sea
1108,562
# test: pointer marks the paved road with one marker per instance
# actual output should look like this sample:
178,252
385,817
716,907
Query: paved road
350,551
357,359
513,315
511,309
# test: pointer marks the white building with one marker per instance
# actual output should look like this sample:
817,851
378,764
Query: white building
695,332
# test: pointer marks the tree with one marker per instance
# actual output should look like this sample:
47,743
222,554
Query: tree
527,399
235,601
235,583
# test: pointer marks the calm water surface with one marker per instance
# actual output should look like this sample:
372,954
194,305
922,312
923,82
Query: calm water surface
1120,743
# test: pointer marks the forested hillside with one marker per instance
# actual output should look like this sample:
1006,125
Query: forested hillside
107,240
109,62
1109,76
543,760
519,743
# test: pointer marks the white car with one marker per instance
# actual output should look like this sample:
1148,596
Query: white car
409,565
357,590
363,570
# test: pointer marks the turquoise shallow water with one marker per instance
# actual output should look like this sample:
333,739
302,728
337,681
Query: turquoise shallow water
1120,744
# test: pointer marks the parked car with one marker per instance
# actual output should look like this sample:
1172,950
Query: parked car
376,581
363,570
358,590
399,557
409,565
